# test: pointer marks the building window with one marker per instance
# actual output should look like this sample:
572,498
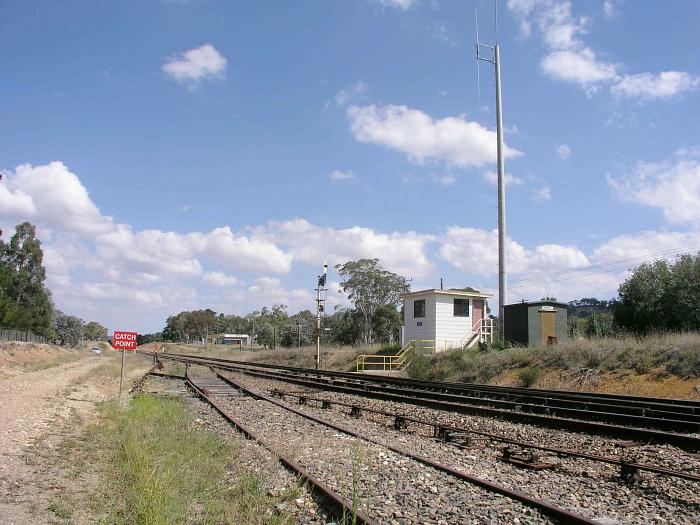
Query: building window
419,308
461,308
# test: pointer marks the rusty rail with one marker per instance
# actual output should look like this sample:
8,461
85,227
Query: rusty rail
560,514
331,500
559,452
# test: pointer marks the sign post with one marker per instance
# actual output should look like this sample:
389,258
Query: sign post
122,342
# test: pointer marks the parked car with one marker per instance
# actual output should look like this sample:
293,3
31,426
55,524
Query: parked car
96,350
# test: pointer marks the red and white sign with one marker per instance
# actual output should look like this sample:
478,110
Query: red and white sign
124,340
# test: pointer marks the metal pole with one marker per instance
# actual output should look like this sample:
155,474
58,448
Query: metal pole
502,274
121,380
318,326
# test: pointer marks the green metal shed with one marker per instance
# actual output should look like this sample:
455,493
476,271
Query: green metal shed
535,323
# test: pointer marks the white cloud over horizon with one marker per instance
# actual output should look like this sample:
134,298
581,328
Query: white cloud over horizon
96,264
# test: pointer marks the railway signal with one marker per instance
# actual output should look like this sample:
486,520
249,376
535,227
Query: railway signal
320,305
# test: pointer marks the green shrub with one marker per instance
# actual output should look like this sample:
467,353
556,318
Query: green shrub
528,376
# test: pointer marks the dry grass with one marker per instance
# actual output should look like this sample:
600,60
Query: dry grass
34,356
663,355
332,358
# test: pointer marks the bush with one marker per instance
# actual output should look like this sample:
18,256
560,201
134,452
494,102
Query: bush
528,376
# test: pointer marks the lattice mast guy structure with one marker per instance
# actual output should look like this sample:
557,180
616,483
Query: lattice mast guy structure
320,306
495,59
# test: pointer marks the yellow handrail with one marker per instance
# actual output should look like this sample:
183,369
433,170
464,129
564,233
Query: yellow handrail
397,361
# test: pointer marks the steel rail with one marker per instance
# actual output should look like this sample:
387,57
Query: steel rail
589,399
336,504
552,450
683,441
496,437
469,386
562,515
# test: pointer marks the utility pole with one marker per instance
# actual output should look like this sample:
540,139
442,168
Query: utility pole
319,309
299,335
502,274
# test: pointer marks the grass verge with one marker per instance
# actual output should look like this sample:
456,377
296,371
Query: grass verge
163,468
661,354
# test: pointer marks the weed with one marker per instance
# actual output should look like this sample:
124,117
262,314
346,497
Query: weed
529,375
170,470
677,354
60,509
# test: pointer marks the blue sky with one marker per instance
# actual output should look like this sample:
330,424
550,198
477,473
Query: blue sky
184,154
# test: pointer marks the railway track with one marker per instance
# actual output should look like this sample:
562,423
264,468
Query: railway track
337,505
263,414
544,408
460,486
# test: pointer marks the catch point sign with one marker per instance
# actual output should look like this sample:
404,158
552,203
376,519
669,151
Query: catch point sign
124,340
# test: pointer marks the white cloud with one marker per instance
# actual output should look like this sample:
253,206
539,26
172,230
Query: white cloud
243,253
511,180
453,140
219,279
401,252
580,66
345,94
542,194
563,151
86,250
609,8
672,186
51,192
569,59
649,86
646,245
341,176
193,66
443,180
399,4
476,250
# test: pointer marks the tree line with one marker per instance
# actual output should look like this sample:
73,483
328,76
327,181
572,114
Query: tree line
658,296
25,301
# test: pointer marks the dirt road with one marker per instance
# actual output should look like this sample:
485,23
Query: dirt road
38,410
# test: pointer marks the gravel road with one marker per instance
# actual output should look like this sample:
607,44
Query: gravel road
36,410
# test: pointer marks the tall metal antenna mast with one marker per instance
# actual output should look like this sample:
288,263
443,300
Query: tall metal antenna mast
495,59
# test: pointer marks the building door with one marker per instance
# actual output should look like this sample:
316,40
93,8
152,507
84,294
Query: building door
548,331
477,310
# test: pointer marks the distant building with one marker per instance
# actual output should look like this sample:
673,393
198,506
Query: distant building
535,323
231,339
444,319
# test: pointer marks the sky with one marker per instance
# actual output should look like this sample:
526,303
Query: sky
188,154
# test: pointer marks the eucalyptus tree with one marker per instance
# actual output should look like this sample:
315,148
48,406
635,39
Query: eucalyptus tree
369,287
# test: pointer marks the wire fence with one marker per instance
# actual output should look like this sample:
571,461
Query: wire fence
21,335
